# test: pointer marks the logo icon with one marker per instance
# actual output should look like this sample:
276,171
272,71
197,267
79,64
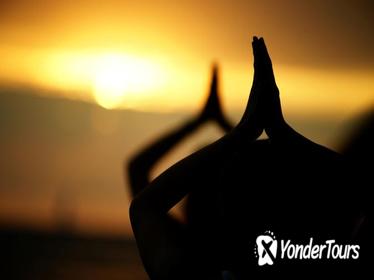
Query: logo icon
266,248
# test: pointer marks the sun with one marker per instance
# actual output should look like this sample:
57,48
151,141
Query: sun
110,81
123,80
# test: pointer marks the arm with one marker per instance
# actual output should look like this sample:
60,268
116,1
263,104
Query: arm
140,166
166,248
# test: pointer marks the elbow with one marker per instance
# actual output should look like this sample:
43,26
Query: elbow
137,165
137,176
139,210
135,217
131,168
134,212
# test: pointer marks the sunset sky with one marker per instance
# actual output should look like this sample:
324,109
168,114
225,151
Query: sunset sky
155,55
63,159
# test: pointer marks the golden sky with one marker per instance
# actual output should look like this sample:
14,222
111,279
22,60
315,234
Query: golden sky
154,55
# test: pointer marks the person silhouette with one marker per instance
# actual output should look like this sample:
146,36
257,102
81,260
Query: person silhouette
285,183
140,165
358,147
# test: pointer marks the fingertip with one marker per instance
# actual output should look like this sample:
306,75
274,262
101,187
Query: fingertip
254,39
215,66
254,43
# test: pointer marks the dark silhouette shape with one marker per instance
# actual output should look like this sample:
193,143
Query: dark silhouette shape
288,184
212,109
359,149
140,165
359,145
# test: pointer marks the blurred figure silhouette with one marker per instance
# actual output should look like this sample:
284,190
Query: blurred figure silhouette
244,186
140,166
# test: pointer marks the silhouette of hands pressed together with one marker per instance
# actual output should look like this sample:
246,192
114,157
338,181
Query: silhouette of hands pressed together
216,175
212,110
263,111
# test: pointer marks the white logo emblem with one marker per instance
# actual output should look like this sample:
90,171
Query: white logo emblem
266,248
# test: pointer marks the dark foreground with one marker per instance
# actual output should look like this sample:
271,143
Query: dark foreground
36,255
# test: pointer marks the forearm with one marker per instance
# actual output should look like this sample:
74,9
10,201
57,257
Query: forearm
140,166
171,186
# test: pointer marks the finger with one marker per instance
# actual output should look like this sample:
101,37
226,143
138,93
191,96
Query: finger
265,64
256,60
261,59
263,51
214,81
212,108
255,50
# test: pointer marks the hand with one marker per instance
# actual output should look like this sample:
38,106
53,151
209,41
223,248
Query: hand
264,109
212,109
270,109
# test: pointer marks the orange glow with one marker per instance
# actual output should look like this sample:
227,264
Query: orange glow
115,79
156,56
